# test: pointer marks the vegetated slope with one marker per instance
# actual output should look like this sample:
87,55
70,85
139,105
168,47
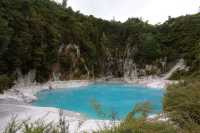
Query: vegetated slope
179,38
44,36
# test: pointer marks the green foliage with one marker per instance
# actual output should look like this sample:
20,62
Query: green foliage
140,126
98,108
131,124
181,103
142,109
27,127
101,112
32,32
181,75
135,124
38,126
179,37
5,82
151,48
13,127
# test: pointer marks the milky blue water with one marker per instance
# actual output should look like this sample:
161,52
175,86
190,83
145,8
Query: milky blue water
120,98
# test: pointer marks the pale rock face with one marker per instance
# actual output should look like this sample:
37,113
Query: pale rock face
179,66
25,80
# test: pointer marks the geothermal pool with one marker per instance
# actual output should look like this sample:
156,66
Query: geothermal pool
118,98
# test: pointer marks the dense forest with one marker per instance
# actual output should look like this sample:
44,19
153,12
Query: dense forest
50,39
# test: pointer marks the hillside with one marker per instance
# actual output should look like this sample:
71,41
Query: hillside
52,41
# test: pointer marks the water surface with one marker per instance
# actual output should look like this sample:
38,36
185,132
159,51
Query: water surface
119,98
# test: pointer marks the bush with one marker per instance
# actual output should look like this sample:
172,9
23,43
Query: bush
24,127
39,126
179,75
5,83
135,125
136,122
182,103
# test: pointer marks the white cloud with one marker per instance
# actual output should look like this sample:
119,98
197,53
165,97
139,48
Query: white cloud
153,10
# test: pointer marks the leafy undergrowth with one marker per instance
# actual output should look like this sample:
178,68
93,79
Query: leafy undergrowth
182,104
38,126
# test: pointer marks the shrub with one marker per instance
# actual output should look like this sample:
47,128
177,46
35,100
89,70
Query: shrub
5,83
180,74
39,126
26,127
182,103
132,125
136,122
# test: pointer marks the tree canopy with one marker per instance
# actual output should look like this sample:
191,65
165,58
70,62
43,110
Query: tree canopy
34,34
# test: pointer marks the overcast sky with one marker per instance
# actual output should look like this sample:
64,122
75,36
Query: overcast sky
154,11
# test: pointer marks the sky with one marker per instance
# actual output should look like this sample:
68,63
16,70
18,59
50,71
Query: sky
154,11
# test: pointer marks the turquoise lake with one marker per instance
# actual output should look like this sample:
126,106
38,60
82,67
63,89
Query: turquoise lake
119,98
